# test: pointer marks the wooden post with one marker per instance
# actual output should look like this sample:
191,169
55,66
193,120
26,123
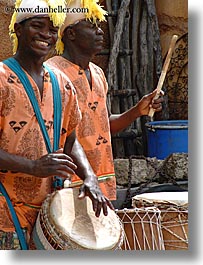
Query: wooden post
116,41
112,73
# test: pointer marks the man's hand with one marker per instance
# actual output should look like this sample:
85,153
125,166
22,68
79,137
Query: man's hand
54,164
148,102
91,188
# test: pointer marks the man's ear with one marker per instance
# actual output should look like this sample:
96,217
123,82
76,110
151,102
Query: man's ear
18,29
69,33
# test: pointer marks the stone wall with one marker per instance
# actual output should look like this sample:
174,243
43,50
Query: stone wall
148,170
140,175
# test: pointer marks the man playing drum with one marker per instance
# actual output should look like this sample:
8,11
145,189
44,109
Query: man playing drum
37,142
82,39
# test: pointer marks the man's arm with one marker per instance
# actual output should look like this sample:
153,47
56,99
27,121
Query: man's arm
57,163
119,122
84,170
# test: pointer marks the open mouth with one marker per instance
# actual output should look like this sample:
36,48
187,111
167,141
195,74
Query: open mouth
42,43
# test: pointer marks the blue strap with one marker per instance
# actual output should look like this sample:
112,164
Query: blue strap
19,231
16,68
57,108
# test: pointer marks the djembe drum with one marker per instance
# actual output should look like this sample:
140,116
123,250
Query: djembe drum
174,216
65,222
142,228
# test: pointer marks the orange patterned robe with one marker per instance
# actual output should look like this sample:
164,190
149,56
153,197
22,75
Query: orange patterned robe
20,134
93,132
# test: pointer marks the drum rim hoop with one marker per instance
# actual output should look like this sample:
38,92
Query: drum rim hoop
55,237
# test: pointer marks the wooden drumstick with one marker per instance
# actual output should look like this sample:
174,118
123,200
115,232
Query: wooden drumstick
164,71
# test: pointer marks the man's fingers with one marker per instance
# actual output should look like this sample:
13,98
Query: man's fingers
104,206
98,202
65,173
162,92
155,94
110,205
59,151
97,208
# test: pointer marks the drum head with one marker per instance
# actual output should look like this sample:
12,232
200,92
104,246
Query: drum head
76,221
172,198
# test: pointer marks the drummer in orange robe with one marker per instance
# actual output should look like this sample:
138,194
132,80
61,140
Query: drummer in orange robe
82,38
26,168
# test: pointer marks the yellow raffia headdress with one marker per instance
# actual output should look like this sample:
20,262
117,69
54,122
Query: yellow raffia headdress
95,13
17,17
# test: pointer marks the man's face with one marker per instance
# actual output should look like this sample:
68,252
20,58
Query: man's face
37,35
89,37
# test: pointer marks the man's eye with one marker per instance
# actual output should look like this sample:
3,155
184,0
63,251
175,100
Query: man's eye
36,26
94,26
54,31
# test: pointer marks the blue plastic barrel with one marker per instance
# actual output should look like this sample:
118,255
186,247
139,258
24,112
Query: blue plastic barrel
167,137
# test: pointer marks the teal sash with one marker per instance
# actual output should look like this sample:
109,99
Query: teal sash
16,222
16,68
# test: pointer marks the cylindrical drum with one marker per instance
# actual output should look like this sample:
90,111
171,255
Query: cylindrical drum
142,228
174,216
65,222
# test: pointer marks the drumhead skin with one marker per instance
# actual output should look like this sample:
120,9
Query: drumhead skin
74,222
175,198
76,219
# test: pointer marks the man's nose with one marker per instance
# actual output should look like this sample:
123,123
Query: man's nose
46,33
100,31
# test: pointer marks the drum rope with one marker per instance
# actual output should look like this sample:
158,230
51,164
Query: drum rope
137,225
174,222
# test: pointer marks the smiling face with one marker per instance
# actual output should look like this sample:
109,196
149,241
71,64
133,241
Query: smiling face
36,36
